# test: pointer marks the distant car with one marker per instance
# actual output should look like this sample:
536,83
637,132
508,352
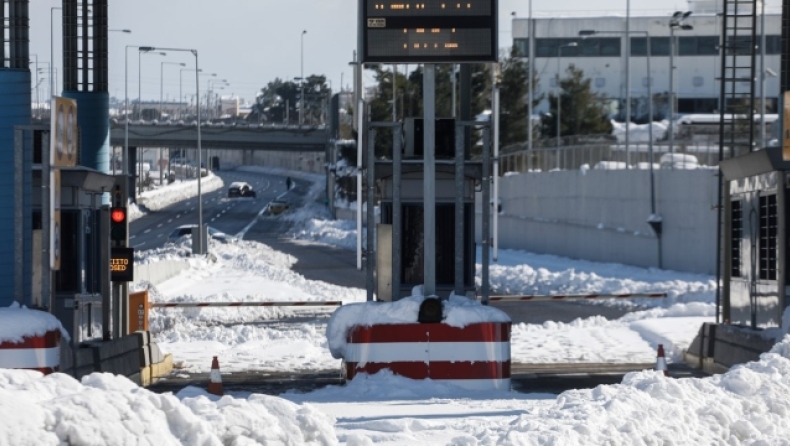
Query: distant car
240,189
277,207
186,231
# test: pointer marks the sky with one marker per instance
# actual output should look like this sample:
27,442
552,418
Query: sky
250,42
748,405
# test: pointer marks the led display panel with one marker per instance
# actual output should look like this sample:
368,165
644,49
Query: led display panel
429,31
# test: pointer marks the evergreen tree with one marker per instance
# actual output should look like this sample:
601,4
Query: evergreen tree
513,92
583,111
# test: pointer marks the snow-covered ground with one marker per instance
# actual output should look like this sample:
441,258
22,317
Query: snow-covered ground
748,405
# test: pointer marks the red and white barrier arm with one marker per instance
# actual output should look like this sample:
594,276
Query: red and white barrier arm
538,298
246,304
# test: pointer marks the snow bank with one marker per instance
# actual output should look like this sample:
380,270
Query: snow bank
107,409
163,197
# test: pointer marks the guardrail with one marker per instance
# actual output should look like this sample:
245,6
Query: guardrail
537,298
246,304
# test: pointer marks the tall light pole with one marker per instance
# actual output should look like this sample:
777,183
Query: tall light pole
181,80
162,81
559,97
209,89
140,79
161,94
202,247
301,94
628,84
675,22
52,48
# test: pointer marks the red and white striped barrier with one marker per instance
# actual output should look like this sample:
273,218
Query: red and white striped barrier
247,304
474,357
40,353
536,298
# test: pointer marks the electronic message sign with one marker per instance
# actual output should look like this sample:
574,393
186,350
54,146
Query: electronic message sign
428,31
122,264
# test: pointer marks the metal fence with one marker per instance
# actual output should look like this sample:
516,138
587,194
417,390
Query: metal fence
605,153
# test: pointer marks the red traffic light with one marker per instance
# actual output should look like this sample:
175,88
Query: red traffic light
118,215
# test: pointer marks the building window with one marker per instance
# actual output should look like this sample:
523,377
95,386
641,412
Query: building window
588,47
697,105
740,45
522,47
773,44
698,46
736,233
768,235
659,46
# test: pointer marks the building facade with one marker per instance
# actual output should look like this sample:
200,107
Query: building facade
564,41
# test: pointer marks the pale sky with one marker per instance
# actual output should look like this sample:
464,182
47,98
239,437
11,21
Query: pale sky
250,42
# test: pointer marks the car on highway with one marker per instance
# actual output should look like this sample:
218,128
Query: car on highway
277,207
186,231
240,189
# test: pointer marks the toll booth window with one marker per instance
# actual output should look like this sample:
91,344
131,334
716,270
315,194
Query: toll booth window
768,237
67,278
736,232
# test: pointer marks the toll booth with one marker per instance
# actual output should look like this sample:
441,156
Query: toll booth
399,178
69,255
755,240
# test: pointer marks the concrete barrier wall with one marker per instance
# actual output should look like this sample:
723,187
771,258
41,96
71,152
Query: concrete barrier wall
158,272
299,161
602,216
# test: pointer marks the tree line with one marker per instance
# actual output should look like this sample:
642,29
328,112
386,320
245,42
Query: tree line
583,111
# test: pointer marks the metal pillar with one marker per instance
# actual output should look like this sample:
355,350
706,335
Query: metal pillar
429,189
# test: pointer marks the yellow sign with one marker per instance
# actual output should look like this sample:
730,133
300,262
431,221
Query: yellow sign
64,133
786,128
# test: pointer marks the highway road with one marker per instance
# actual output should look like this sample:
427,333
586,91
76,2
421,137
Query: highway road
228,215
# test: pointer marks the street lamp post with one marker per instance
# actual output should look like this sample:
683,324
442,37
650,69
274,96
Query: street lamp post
140,80
209,91
301,94
201,244
51,48
675,22
161,94
559,97
181,80
162,81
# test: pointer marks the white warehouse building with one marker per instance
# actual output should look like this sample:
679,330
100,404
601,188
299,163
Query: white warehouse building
602,57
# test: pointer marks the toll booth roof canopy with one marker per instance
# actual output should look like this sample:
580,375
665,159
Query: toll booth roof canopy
755,163
86,179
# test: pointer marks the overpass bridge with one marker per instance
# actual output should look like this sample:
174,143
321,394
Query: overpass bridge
222,136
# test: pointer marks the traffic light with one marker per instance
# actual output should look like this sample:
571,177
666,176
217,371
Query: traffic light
118,224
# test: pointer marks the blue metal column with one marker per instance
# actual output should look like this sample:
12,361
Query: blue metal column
85,77
14,110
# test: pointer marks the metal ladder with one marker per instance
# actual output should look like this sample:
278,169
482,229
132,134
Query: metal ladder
737,106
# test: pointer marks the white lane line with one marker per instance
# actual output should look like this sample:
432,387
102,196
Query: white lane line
171,220
146,231
132,236
160,225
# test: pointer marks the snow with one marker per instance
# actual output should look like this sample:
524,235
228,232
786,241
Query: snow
18,322
750,404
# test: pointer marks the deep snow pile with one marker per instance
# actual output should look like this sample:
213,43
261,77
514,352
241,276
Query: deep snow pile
17,322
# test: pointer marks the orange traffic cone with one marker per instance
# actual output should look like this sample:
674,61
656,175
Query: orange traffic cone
661,360
215,379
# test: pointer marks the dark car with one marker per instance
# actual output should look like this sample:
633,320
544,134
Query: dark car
186,230
240,189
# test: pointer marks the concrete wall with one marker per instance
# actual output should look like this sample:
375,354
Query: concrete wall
314,162
158,272
602,216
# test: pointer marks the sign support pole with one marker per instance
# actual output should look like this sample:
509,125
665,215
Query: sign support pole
429,184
